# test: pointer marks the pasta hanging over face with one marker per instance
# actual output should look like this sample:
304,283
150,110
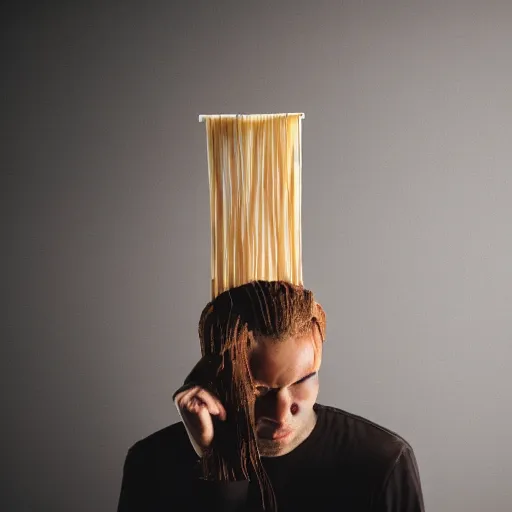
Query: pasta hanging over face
229,329
255,167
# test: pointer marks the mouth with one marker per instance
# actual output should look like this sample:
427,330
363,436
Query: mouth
278,435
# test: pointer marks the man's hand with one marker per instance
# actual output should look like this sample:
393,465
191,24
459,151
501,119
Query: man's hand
196,407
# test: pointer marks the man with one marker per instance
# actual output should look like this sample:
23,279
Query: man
253,435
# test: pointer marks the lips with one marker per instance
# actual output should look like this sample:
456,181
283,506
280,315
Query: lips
280,435
275,435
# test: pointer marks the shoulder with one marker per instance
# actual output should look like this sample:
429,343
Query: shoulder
157,469
363,442
378,460
163,446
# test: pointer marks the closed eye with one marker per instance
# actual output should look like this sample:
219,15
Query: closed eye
263,390
305,378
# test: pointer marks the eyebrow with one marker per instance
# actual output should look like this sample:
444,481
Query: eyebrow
306,377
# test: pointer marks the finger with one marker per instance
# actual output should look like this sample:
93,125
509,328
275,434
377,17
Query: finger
222,411
185,396
196,406
212,403
196,402
208,399
195,398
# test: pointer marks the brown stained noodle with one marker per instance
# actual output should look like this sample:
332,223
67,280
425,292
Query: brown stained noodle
227,330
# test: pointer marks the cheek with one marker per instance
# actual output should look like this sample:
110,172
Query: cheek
306,392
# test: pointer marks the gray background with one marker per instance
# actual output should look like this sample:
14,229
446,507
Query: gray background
407,207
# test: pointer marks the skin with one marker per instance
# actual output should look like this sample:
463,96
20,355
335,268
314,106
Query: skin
285,376
196,407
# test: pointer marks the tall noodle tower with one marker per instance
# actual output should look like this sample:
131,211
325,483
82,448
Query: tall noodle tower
254,166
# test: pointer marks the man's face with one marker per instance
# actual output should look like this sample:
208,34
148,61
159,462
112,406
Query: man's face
285,375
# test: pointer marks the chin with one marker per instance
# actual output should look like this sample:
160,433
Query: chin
275,447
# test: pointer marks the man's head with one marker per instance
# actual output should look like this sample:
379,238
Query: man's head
269,335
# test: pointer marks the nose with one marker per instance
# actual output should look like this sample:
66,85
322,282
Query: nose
276,407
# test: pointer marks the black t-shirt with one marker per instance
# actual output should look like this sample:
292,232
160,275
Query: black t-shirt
346,464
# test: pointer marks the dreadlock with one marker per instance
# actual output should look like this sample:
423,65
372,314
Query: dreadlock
228,328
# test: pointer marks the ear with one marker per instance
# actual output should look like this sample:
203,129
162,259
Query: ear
319,319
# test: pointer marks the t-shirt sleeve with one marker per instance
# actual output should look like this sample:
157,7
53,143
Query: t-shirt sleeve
402,488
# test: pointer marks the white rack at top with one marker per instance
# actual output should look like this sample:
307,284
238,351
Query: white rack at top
203,117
